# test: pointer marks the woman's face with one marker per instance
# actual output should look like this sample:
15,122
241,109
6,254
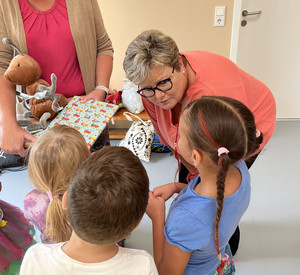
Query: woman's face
169,99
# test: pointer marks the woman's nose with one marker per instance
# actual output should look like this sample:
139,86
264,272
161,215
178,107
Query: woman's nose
159,94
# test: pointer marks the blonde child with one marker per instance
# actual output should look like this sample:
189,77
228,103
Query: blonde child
105,201
215,134
53,160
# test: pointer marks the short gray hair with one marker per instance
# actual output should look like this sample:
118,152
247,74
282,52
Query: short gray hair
150,49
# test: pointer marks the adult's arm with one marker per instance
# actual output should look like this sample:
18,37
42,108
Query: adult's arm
104,62
12,136
103,72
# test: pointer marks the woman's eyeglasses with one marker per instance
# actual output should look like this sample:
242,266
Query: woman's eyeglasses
163,86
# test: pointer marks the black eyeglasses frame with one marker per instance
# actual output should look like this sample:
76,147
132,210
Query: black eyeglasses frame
156,88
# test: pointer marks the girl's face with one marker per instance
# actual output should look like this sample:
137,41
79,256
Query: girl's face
183,145
169,99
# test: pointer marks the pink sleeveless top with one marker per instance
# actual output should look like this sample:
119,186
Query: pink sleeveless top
50,43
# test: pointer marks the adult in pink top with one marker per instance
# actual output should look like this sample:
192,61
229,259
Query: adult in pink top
168,80
66,37
154,62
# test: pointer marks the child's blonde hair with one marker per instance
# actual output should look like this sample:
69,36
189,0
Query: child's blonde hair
53,160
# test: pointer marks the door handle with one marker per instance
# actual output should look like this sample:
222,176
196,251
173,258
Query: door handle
247,13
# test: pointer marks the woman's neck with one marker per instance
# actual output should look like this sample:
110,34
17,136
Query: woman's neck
85,252
190,73
190,76
42,5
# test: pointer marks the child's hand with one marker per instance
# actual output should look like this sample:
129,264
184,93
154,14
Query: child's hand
156,207
165,191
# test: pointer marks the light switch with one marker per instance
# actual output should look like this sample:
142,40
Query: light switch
219,20
220,11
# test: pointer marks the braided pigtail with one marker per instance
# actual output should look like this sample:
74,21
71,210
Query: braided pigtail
224,164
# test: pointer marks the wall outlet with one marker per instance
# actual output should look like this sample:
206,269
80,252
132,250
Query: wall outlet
219,20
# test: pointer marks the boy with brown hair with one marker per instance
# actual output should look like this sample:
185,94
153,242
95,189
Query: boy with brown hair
105,201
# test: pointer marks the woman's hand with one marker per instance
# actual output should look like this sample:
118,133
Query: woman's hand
98,95
156,207
12,139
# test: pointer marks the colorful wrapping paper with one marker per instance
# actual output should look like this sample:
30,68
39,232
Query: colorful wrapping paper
89,118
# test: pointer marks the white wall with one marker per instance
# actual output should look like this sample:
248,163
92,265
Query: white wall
189,22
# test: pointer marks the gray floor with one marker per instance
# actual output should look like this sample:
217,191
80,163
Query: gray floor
270,229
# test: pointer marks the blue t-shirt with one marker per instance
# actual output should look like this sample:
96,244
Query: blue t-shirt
191,219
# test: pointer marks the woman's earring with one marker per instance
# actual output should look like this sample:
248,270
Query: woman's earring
183,72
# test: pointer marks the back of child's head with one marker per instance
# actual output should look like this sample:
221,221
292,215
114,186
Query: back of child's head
221,122
108,196
225,130
53,160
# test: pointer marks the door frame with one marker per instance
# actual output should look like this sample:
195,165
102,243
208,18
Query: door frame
235,32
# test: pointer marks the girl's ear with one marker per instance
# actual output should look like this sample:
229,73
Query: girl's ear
64,201
197,157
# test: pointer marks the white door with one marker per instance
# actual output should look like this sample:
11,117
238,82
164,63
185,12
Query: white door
268,47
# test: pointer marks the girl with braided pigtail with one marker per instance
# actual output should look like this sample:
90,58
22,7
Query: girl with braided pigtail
215,135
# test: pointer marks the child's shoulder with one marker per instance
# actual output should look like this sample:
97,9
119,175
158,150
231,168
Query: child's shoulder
37,254
139,260
243,169
131,252
42,249
241,165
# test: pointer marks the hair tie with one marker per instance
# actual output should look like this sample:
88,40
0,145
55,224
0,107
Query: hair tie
3,223
222,150
49,194
220,257
258,133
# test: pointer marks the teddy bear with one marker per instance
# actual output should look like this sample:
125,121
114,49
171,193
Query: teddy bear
40,96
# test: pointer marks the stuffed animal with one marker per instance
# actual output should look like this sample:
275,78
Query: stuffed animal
115,97
40,96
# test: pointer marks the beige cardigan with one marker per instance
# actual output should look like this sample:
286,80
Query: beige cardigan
87,27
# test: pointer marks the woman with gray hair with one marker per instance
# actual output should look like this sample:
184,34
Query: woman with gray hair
168,80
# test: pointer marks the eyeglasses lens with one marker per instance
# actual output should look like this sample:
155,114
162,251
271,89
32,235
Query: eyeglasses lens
147,92
164,85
